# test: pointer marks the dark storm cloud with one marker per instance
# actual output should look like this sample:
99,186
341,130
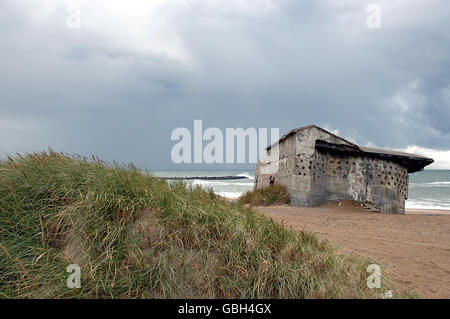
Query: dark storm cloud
286,64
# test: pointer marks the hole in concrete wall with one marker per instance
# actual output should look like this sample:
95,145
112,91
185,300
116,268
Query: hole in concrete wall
272,180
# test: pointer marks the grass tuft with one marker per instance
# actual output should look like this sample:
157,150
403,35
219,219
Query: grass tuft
275,194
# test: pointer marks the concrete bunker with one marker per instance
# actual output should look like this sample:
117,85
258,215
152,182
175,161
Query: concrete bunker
318,167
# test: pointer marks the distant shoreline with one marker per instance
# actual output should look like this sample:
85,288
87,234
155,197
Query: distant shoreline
206,178
428,211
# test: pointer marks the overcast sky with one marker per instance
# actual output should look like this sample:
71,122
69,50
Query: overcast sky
135,70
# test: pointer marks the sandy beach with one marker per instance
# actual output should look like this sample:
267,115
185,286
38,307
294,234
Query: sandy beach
414,248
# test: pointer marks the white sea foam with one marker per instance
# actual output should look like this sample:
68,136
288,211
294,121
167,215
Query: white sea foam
219,183
430,184
440,183
230,195
227,188
427,204
245,175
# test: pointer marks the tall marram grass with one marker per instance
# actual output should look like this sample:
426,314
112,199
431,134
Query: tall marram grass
137,236
265,196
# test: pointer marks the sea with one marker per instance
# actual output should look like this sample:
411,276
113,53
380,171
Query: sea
428,189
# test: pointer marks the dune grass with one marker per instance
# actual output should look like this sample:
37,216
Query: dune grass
275,194
137,236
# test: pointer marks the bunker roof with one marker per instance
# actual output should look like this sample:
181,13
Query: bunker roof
412,162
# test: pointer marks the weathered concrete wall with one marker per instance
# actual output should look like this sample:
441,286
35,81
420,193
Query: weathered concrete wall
380,183
314,177
294,152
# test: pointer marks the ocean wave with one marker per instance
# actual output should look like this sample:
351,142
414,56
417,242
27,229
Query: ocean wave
219,183
246,175
430,184
230,195
427,204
